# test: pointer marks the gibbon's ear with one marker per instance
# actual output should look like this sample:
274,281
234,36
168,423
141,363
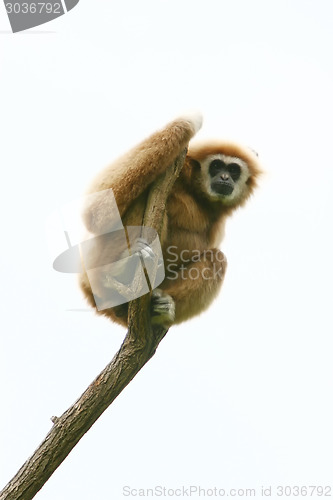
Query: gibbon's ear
195,164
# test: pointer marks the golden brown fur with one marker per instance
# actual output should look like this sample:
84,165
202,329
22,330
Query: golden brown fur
194,219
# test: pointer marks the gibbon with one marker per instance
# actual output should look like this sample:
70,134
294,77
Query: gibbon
217,178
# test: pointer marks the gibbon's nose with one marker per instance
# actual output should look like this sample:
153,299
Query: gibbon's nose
225,176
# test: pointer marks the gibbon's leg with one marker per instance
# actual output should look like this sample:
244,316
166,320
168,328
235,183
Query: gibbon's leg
130,176
196,285
191,291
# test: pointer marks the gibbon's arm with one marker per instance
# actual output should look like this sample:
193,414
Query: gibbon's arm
130,176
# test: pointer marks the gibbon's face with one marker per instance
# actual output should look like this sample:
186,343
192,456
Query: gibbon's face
225,178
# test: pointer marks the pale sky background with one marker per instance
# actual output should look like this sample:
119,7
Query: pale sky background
240,397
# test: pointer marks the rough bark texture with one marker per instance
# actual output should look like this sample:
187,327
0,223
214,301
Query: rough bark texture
138,347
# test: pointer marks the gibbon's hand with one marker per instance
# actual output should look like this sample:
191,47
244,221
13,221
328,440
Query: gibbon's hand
142,247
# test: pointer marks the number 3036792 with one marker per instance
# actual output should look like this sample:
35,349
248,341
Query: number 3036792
33,8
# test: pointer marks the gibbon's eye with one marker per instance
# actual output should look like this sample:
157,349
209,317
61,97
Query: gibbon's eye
215,167
235,171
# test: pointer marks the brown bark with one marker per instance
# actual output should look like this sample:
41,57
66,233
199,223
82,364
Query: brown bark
138,347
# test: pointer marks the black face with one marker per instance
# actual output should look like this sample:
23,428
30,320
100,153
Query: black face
223,176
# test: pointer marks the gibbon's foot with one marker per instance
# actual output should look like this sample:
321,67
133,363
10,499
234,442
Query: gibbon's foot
163,308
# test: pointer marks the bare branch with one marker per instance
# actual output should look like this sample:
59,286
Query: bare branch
138,347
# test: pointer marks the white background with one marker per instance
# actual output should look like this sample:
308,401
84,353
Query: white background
240,397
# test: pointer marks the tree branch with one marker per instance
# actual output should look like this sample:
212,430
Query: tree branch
138,347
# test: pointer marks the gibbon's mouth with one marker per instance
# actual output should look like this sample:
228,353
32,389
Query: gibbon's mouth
223,188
